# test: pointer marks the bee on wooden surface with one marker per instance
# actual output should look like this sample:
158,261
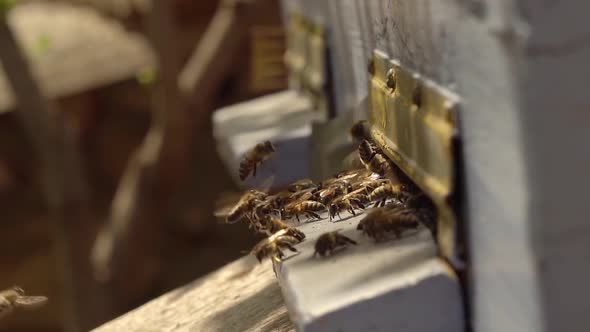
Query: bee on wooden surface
386,191
271,225
380,221
370,183
257,155
424,208
309,208
243,208
351,201
327,195
15,298
274,245
329,242
301,185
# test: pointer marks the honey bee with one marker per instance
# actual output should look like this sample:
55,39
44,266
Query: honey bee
329,242
386,190
257,155
243,208
375,161
370,183
301,185
351,175
367,151
353,200
271,225
274,245
424,208
352,161
15,298
378,222
359,130
327,195
307,207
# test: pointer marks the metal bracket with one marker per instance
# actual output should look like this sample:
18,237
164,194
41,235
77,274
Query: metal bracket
414,121
307,58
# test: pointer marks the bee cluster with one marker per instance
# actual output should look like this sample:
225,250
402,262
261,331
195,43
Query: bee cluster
396,204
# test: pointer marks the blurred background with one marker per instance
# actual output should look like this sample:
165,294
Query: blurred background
114,71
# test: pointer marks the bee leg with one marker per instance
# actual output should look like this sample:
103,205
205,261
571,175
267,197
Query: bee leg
278,256
293,249
313,215
351,241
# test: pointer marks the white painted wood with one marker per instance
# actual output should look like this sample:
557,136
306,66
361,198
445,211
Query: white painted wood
387,286
520,68
555,122
283,118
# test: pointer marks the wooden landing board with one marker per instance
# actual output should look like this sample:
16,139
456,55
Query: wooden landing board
241,296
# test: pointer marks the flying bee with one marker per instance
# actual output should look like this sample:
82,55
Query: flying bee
301,185
308,207
274,245
378,222
385,191
353,200
243,208
257,155
15,298
329,242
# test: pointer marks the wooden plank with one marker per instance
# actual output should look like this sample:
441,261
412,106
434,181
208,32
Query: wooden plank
241,296
358,288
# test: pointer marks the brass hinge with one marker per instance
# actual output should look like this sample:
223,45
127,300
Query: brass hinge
414,121
306,58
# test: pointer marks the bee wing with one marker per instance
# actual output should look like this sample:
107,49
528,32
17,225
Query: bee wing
299,197
267,183
30,302
225,202
352,161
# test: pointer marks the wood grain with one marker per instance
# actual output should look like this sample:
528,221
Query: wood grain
242,296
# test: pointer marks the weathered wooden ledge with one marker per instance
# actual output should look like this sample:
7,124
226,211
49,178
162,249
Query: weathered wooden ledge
241,296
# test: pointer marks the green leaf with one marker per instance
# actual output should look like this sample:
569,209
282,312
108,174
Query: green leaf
42,45
147,76
6,5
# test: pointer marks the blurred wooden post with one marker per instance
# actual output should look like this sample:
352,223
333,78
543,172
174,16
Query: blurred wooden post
130,239
64,188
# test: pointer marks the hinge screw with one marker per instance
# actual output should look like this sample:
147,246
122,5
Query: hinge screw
391,79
